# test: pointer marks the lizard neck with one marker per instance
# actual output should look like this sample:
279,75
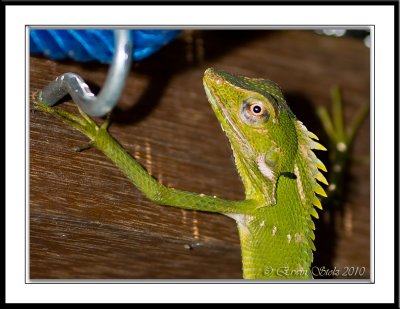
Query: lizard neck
275,241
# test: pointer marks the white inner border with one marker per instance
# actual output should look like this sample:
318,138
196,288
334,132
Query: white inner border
17,17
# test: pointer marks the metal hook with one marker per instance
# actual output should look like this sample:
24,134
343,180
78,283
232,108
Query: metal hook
107,98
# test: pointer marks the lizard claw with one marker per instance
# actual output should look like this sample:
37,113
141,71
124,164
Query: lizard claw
83,147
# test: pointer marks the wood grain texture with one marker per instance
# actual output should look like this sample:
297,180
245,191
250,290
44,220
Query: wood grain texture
87,221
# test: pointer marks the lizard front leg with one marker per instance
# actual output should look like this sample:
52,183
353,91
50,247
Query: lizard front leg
150,187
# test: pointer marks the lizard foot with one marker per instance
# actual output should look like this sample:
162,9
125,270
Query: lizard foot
82,123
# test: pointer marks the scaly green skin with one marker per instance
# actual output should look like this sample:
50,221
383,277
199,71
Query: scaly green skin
274,157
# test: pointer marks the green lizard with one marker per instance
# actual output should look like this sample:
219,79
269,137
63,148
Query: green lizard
274,156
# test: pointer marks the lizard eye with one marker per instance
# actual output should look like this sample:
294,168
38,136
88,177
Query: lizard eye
253,111
256,109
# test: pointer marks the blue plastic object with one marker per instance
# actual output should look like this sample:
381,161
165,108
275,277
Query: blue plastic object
95,45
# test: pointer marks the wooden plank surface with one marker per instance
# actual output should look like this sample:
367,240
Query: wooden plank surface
88,221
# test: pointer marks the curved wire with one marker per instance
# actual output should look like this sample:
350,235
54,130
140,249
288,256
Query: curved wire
73,84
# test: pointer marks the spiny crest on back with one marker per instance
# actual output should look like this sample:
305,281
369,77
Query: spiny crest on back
307,173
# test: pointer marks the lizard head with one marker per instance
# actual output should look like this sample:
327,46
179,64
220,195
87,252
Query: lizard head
258,123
